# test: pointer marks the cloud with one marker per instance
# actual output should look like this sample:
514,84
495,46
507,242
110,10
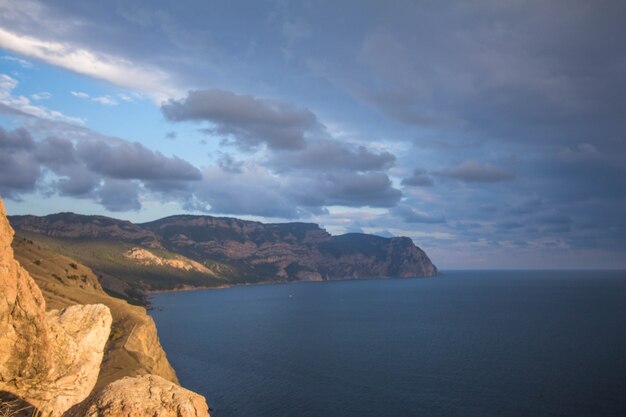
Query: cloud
104,100
419,179
21,62
409,215
44,95
324,155
125,97
472,171
116,195
90,167
132,160
252,191
19,168
373,189
23,105
151,81
250,121
80,94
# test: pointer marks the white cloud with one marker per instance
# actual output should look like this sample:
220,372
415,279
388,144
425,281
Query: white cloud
105,100
22,62
44,95
23,104
124,97
154,82
80,94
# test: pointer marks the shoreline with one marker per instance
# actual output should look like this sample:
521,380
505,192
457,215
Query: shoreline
187,288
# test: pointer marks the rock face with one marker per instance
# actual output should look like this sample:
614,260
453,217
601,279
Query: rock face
51,360
24,336
246,251
148,396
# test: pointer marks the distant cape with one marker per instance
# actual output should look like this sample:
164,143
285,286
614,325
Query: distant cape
234,251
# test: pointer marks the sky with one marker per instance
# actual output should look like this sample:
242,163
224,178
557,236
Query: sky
493,133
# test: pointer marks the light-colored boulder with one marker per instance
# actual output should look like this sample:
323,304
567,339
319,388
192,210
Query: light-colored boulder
144,396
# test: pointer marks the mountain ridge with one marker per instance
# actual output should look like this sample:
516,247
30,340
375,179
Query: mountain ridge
235,251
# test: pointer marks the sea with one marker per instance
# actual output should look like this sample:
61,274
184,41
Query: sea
466,343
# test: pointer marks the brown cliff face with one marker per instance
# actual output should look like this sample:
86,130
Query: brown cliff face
239,251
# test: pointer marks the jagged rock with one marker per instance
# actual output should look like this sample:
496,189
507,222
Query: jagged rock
51,360
144,396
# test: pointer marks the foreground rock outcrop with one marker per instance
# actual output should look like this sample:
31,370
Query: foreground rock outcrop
148,395
51,360
133,347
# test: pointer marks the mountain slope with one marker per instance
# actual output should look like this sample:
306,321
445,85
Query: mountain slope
227,251
133,347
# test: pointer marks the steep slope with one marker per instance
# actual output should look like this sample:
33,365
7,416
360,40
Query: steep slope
133,348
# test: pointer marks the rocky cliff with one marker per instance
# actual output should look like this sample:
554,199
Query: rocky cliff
239,251
50,361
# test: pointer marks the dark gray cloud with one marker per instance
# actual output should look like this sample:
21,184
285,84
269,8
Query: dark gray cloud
472,171
420,178
354,190
119,195
19,168
409,215
56,152
248,120
77,182
323,155
132,160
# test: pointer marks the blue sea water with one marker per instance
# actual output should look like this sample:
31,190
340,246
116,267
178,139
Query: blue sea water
468,343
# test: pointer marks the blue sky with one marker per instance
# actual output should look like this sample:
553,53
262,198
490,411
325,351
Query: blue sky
492,133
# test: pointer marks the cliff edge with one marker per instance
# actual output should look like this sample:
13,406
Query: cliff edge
51,360
48,359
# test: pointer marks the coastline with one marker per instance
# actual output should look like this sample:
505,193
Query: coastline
187,288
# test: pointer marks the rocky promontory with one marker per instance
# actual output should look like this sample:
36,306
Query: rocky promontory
206,251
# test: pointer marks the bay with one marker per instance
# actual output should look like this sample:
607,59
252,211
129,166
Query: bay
467,343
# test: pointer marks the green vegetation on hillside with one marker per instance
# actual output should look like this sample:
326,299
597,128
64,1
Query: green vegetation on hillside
123,276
